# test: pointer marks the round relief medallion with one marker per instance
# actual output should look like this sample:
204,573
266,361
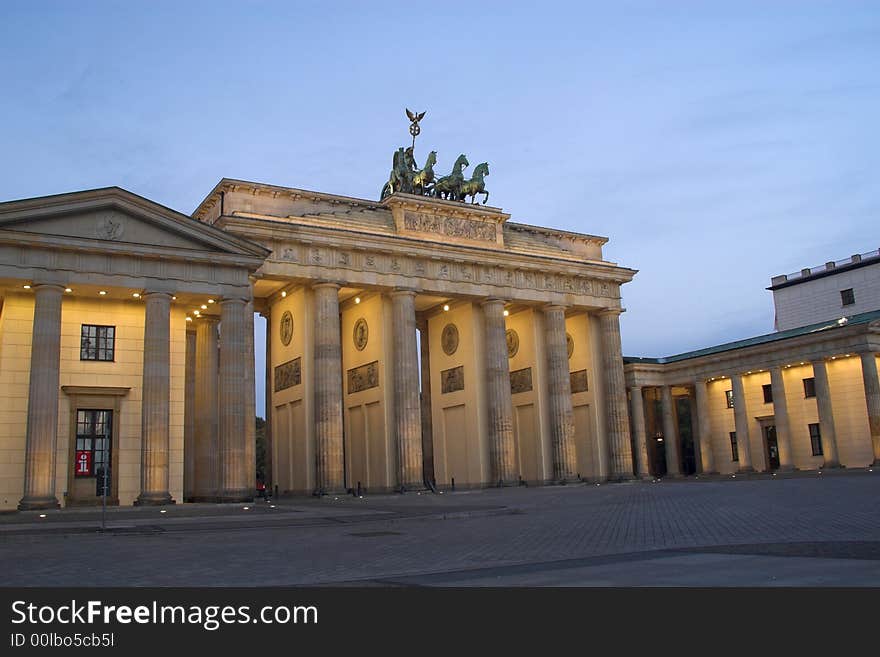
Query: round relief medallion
569,343
449,339
286,327
360,334
512,343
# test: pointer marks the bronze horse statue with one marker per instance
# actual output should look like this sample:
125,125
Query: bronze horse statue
423,179
475,185
449,187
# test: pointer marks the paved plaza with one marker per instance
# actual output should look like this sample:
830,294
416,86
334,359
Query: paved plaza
803,529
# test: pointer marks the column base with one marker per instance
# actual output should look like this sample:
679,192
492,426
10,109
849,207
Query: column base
785,468
746,470
832,466
239,495
154,499
203,499
38,503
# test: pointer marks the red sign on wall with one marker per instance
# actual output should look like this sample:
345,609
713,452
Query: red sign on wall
83,464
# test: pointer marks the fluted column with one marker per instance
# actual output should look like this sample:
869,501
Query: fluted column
206,434
637,404
780,419
872,398
155,400
499,405
826,414
559,395
427,423
616,416
741,419
328,390
407,411
189,417
704,426
267,428
670,434
233,483
42,413
250,417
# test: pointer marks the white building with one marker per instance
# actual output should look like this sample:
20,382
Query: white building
830,291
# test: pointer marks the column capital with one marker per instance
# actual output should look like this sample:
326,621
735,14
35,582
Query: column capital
228,300
208,318
326,284
604,312
491,301
636,388
402,291
157,294
48,286
555,306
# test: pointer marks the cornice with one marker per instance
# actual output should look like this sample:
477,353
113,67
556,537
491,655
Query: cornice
273,231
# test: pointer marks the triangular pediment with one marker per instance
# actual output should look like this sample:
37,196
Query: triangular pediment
116,216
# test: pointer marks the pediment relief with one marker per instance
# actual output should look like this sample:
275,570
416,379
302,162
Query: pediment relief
110,225
120,218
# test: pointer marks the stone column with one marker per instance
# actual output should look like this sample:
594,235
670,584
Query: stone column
407,411
189,418
42,412
155,400
205,436
270,446
872,398
559,395
741,418
670,434
233,484
637,404
499,405
704,426
328,390
780,418
826,415
427,422
616,416
250,406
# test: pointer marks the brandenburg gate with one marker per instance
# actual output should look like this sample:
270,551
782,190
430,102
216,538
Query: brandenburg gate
419,340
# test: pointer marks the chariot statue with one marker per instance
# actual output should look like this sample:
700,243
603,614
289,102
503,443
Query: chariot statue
406,176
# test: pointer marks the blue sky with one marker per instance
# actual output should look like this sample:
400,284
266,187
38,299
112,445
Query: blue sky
715,144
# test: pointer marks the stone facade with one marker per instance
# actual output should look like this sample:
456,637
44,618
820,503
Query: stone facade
803,399
349,288
464,275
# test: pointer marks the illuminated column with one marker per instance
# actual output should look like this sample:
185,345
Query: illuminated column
205,464
250,405
233,483
704,426
498,400
780,418
155,400
559,397
872,398
328,389
637,404
741,418
616,415
42,412
189,419
826,414
267,428
670,434
406,390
